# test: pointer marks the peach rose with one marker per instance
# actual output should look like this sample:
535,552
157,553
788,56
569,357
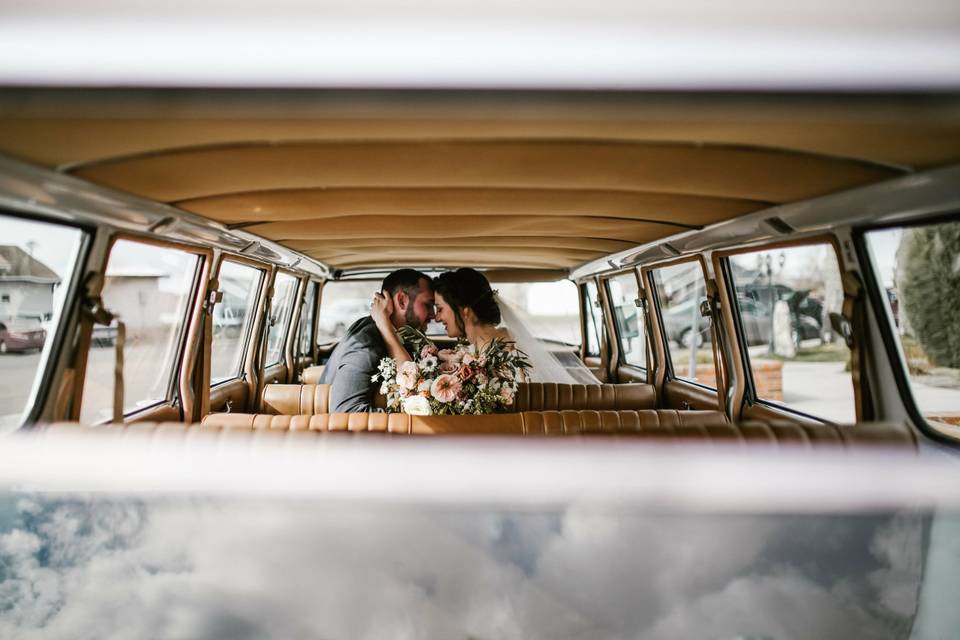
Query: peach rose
465,371
506,392
448,367
428,350
445,388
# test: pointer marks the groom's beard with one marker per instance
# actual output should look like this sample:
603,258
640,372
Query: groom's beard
411,319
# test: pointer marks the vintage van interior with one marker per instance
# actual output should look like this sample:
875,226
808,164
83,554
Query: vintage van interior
738,266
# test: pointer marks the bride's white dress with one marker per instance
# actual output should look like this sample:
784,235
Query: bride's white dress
546,365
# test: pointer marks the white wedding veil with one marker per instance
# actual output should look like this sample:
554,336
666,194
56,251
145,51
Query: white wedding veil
546,365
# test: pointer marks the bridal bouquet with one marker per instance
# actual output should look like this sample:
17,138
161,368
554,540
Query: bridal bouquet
456,381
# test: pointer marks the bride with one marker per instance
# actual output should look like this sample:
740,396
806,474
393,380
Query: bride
470,309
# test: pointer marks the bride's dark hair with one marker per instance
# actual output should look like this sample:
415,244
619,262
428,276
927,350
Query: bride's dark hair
468,288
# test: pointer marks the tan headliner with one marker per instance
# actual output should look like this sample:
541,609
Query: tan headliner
380,183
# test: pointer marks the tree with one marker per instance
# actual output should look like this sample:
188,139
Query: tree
928,283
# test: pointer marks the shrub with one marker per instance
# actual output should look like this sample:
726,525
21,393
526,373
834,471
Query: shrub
928,270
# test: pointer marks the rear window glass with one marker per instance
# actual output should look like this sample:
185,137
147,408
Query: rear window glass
784,298
37,260
680,289
918,270
281,307
623,291
150,288
232,318
342,304
553,308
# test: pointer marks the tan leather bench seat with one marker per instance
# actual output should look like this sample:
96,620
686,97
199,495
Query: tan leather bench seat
311,375
708,426
310,399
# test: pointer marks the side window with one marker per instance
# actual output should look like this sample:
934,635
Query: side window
150,288
232,318
918,271
305,335
590,324
784,298
596,315
284,291
37,260
623,291
680,289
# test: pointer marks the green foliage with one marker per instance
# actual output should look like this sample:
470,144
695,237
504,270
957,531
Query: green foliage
929,288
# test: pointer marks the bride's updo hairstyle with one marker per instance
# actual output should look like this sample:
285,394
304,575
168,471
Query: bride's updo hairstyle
468,288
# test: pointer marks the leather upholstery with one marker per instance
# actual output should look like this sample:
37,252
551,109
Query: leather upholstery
552,396
311,375
310,399
710,426
295,399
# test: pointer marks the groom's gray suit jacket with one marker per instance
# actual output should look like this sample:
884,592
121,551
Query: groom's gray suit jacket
351,365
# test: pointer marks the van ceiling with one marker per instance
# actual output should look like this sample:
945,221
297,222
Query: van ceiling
488,179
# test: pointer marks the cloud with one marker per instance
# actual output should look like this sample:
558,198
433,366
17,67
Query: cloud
244,569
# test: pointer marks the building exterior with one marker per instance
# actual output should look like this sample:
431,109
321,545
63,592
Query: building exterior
26,285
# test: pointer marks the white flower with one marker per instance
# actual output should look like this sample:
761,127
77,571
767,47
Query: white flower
408,375
416,406
429,363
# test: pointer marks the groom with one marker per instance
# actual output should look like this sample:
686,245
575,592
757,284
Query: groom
354,362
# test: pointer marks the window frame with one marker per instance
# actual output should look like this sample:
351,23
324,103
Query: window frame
653,298
881,311
721,260
619,354
265,271
179,386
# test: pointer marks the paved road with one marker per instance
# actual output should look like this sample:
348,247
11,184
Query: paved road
16,380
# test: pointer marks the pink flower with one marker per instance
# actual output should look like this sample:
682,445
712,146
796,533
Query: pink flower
506,392
445,388
448,367
408,375
481,377
465,371
428,350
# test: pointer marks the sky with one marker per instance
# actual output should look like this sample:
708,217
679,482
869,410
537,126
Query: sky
55,245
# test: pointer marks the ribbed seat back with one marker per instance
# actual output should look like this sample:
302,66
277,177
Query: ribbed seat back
310,399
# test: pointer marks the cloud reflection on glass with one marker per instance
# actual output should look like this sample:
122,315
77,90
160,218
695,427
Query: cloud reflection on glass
73,568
